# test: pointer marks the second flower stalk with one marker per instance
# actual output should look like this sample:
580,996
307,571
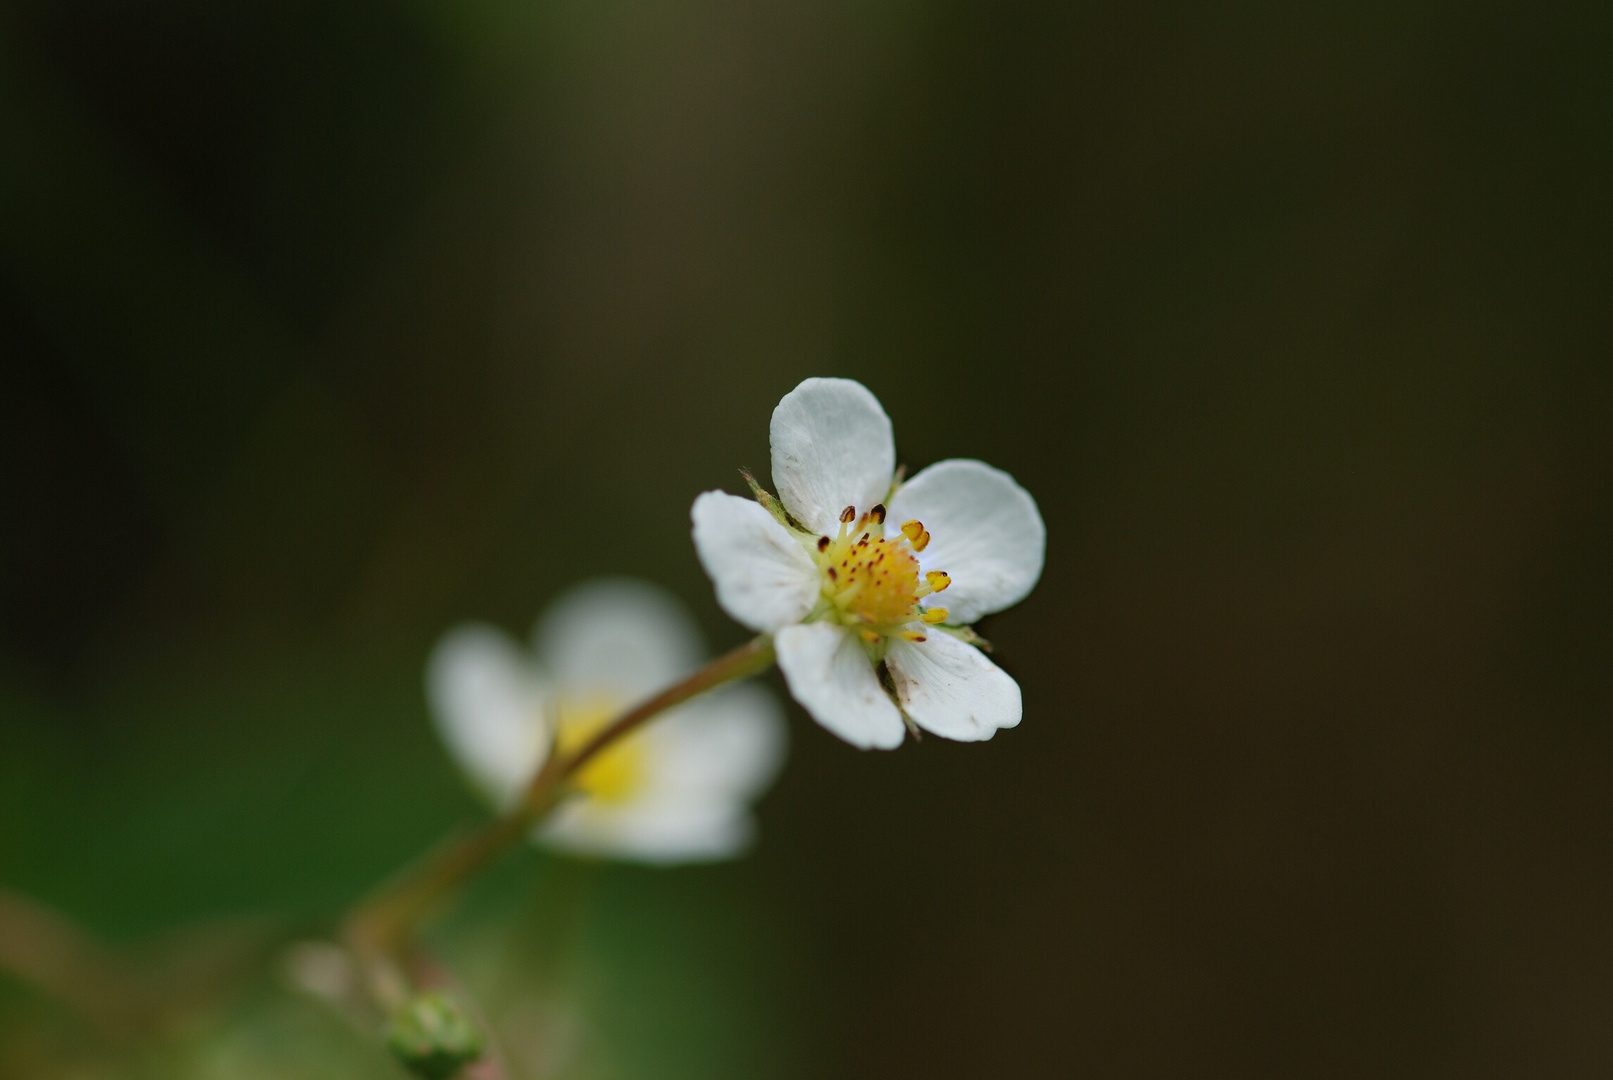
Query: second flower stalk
383,926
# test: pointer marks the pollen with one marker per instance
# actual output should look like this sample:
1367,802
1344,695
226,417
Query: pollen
877,581
872,582
616,774
916,534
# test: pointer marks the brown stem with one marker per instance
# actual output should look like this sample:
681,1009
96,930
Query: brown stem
380,927
749,659
46,949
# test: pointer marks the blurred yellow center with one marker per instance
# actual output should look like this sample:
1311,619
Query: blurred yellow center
615,774
872,581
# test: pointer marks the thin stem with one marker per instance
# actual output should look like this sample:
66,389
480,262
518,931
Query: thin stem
43,947
749,659
380,927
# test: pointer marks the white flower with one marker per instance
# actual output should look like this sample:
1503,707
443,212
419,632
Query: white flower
676,790
863,634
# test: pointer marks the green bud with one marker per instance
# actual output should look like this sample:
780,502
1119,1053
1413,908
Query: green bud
434,1036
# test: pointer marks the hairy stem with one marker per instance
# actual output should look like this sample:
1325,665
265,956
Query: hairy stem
381,927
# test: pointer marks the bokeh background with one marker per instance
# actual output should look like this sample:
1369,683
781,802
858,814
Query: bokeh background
324,326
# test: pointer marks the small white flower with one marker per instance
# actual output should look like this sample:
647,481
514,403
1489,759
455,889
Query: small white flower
676,790
863,634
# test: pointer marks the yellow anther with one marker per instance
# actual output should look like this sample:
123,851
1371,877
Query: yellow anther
935,615
878,513
848,515
938,580
913,529
921,541
871,636
914,635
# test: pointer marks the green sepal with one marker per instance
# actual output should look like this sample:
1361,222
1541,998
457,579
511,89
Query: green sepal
896,483
967,635
771,504
888,683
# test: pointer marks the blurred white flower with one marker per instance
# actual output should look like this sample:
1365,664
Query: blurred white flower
676,790
863,632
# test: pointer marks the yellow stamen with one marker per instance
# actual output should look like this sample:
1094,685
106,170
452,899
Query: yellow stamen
872,583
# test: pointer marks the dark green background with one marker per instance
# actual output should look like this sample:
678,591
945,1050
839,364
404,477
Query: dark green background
323,326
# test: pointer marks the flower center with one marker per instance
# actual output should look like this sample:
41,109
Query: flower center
872,581
614,775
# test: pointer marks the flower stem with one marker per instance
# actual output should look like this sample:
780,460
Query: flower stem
751,658
380,927
42,947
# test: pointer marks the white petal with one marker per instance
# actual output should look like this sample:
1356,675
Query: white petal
832,678
616,639
951,689
985,533
764,577
726,745
704,764
832,448
489,709
660,832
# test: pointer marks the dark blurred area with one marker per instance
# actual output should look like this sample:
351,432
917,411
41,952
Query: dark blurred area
325,326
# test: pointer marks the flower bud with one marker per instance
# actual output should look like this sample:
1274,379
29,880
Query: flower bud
434,1037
